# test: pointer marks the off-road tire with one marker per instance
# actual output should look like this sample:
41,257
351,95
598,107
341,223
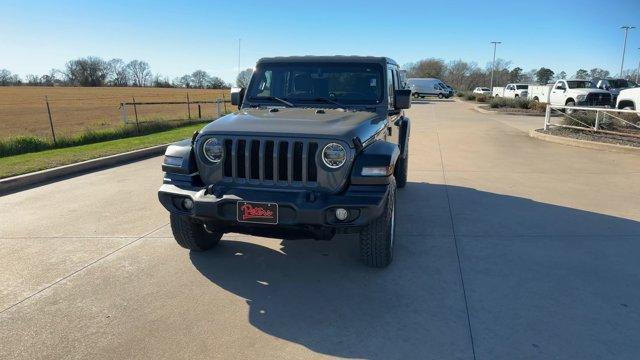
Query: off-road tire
402,168
191,235
376,239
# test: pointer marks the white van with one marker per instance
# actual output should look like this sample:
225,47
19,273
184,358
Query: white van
422,87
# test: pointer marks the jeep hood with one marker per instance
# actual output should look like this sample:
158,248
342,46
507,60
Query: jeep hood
299,122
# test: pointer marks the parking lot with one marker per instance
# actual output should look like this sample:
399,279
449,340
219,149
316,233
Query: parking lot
507,247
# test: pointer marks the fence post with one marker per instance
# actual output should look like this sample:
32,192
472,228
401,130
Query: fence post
199,112
218,107
547,117
123,112
53,133
595,127
224,101
188,106
135,111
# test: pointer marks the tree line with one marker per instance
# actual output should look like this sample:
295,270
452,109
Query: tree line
95,71
464,75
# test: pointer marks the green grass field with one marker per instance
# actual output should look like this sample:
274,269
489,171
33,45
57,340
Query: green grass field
26,163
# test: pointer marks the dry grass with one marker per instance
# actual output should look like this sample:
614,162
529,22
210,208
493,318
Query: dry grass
76,109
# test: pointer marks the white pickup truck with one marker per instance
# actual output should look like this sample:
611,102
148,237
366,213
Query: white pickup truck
511,91
570,93
629,99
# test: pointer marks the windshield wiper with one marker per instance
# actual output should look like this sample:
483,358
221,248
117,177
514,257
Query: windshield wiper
327,100
273,98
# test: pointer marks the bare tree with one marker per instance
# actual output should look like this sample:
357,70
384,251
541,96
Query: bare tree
560,76
597,74
140,72
582,74
118,73
200,78
428,68
161,81
33,80
6,78
89,71
183,81
457,73
215,82
243,78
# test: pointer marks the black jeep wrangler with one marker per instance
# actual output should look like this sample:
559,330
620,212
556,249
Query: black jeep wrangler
318,146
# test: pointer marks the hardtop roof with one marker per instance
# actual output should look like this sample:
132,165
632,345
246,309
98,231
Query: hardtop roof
331,58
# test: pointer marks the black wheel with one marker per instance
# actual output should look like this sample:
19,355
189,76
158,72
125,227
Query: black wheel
376,239
535,99
440,96
402,168
191,235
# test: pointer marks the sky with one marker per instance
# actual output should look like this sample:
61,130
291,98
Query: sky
176,38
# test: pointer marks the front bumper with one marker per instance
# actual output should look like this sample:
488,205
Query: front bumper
299,209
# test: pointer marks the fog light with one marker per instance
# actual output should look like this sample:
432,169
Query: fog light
187,203
342,214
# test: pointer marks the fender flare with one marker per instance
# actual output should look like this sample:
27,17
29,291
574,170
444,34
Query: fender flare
182,159
379,154
404,128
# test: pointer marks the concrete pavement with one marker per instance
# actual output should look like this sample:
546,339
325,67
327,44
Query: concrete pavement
508,247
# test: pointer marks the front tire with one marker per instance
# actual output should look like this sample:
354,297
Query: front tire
440,96
376,239
570,111
191,235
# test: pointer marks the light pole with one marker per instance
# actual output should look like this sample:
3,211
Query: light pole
493,65
638,71
239,42
626,29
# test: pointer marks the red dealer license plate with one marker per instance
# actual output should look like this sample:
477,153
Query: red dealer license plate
256,212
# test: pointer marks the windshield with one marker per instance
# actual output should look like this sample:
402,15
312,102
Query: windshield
522,87
620,83
580,84
308,82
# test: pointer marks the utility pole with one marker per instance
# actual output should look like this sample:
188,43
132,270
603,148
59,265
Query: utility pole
493,65
626,29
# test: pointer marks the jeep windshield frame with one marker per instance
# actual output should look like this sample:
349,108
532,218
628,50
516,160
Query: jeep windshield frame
318,84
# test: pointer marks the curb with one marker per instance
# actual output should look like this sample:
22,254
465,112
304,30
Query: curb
584,143
31,180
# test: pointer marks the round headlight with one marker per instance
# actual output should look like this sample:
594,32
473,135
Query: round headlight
213,150
334,155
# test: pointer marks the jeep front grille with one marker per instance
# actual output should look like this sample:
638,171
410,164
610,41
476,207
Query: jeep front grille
271,161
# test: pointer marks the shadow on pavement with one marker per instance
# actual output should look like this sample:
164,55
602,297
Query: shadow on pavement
318,295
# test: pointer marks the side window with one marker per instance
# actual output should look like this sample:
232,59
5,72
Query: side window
390,88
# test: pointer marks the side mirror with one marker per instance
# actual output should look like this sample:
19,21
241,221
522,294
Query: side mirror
402,99
237,94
